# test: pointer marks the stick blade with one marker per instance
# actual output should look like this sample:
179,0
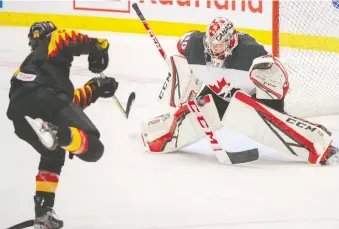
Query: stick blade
243,156
131,99
25,224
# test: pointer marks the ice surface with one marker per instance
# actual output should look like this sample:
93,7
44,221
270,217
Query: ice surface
130,189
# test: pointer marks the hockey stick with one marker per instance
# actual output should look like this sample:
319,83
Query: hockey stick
223,156
235,157
150,33
125,112
130,101
25,224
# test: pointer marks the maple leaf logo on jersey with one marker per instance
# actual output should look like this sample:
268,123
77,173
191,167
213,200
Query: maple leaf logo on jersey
220,86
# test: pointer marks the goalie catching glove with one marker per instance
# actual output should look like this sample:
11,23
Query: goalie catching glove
269,77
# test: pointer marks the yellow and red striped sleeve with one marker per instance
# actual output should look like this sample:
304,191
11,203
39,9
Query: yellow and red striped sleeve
83,96
76,43
46,181
79,143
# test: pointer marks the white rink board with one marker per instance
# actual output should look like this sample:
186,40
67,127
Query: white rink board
249,14
239,11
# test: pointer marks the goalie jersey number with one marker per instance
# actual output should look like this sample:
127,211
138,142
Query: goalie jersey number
182,43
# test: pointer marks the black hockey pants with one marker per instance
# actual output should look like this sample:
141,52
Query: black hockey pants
57,109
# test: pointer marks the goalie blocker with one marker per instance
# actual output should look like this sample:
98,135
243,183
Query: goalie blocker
181,85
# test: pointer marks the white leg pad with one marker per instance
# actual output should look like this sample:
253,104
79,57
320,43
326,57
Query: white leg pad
173,131
277,130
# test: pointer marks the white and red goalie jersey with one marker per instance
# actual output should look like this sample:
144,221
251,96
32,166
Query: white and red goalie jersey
182,42
235,72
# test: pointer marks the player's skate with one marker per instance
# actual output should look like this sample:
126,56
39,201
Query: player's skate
45,217
45,131
332,157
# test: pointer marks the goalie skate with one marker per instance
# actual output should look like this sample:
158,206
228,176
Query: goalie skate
45,131
332,157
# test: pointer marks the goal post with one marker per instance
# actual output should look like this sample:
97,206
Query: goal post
305,35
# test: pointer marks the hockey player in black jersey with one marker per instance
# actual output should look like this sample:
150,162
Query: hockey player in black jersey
247,87
47,112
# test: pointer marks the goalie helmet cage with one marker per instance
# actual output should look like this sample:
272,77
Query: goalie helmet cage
305,35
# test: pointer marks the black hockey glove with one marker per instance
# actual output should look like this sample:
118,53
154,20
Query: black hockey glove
102,87
98,57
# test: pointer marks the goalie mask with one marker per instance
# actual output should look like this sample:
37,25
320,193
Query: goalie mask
220,39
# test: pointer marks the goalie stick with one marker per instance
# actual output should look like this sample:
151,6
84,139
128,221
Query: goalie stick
223,156
235,157
130,101
150,32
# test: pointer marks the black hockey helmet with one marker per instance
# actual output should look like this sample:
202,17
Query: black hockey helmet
38,31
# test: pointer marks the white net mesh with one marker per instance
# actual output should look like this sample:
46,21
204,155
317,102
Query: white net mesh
314,74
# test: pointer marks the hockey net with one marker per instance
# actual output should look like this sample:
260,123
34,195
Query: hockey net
306,37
